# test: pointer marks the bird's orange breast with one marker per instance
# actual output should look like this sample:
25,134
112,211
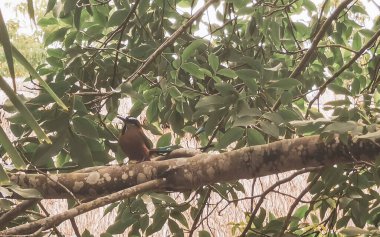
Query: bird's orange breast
133,144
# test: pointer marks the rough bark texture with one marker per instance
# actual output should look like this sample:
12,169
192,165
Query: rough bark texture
189,173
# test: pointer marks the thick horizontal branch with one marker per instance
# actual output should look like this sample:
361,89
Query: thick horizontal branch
202,169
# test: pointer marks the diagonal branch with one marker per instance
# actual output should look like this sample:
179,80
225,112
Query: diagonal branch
295,203
169,41
124,25
14,212
270,189
46,223
342,69
306,58
200,211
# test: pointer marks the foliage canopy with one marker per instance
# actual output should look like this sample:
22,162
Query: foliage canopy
248,77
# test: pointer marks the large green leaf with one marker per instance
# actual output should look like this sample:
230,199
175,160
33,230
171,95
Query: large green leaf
232,135
24,62
4,40
26,114
191,49
4,179
18,162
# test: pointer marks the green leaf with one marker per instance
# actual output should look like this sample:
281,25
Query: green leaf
164,140
285,83
212,122
249,76
44,152
163,198
210,101
4,179
50,6
77,14
301,211
179,217
69,5
270,128
22,60
254,137
175,229
152,111
136,109
80,152
227,73
193,69
286,98
47,21
117,228
25,192
4,193
18,162
310,6
4,40
26,114
354,231
159,219
203,233
57,35
355,86
340,127
175,93
31,10
85,127
338,89
189,50
226,88
244,121
213,60
231,135
117,17
356,42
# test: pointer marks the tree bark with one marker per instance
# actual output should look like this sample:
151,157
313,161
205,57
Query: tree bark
190,173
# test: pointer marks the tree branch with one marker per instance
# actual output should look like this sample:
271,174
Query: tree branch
342,69
169,41
14,212
184,174
270,189
305,60
46,223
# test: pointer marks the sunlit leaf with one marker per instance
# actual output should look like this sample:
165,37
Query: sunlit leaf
191,49
26,114
24,62
5,42
18,162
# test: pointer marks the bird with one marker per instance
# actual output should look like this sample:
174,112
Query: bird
137,146
133,141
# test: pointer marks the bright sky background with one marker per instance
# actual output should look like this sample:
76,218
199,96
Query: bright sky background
7,8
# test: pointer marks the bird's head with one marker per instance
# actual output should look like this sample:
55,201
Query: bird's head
130,120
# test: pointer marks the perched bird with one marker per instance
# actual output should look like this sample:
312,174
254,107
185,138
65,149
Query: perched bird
137,146
133,141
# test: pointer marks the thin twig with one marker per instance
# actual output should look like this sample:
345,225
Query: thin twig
295,203
17,210
270,189
342,69
124,25
199,214
305,60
